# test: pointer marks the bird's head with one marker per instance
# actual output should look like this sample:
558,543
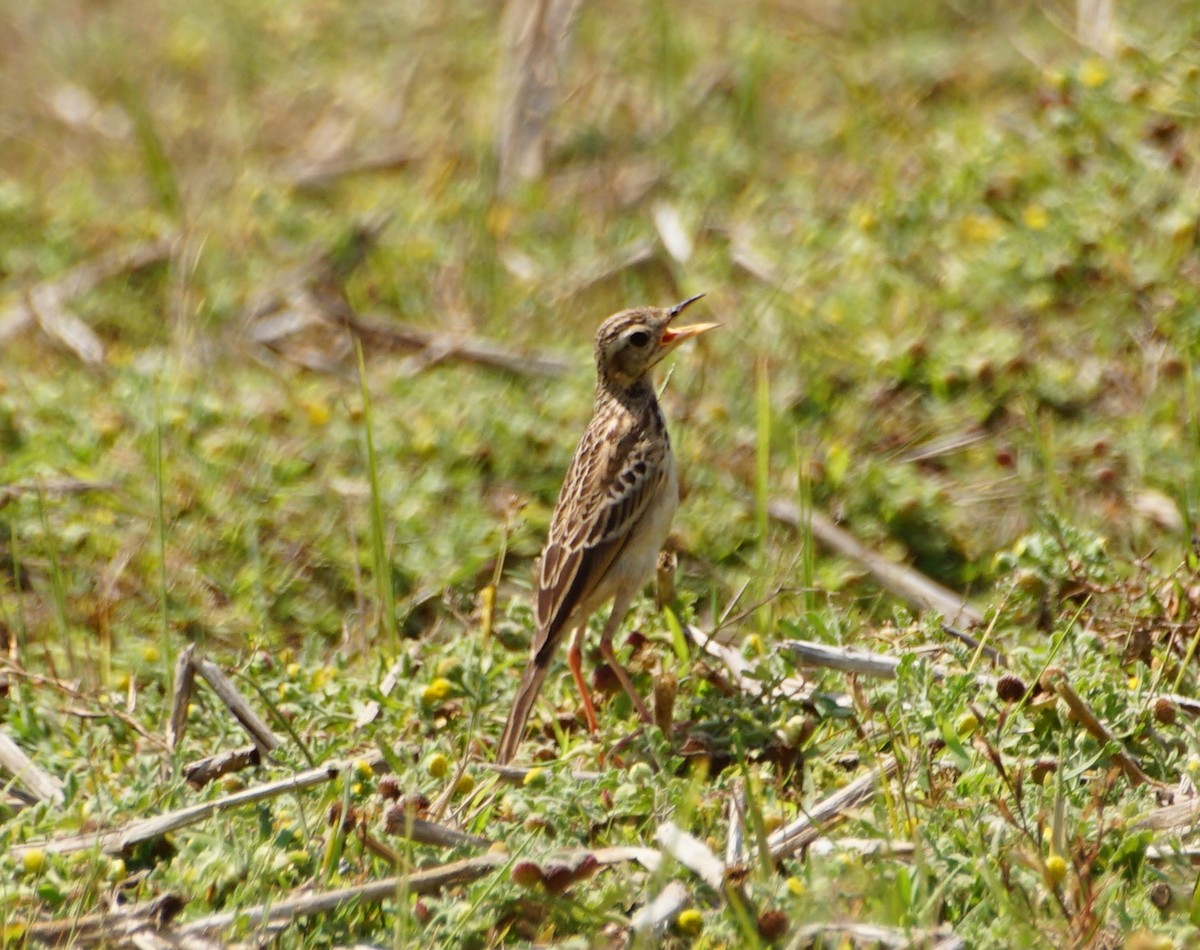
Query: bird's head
630,343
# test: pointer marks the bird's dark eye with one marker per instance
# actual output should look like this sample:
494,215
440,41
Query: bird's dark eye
640,338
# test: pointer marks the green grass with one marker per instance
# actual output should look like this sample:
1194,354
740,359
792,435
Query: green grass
954,254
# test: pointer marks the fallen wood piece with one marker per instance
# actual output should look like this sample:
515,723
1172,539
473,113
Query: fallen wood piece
793,689
639,253
845,659
441,346
209,769
735,844
13,760
1189,853
905,582
864,847
107,927
860,662
850,934
322,173
1055,680
260,733
806,829
518,773
54,294
58,323
400,823
693,854
1172,817
52,486
185,679
145,829
535,37
424,881
653,920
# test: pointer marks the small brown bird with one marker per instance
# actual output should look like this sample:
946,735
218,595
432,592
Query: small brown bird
613,513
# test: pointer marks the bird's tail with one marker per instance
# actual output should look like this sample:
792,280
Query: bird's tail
527,694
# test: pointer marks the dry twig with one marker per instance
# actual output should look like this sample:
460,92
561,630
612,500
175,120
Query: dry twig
145,829
260,733
906,583
1055,680
45,302
45,787
806,829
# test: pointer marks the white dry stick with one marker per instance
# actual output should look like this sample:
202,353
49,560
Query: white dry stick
693,854
871,935
806,829
1094,25
735,844
260,733
860,662
906,583
671,229
425,881
185,679
535,37
652,921
791,688
144,829
44,302
14,761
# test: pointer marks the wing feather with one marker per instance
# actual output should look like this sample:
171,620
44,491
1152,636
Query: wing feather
612,478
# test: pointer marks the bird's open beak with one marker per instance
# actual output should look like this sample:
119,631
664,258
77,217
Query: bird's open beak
675,335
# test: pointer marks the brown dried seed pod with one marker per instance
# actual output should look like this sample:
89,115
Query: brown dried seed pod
1165,711
1010,688
772,924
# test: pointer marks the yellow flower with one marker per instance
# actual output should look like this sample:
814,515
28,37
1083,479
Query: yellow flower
1035,217
436,691
1093,73
979,228
689,922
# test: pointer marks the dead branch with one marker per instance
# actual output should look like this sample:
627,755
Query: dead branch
436,347
320,174
14,761
806,829
185,679
906,583
260,733
851,934
108,927
1173,817
53,486
45,301
212,767
693,854
425,881
1055,680
859,662
652,920
145,829
796,690
536,34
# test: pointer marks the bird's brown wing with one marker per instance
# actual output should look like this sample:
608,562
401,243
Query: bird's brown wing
611,480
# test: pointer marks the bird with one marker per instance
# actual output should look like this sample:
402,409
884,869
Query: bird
613,512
